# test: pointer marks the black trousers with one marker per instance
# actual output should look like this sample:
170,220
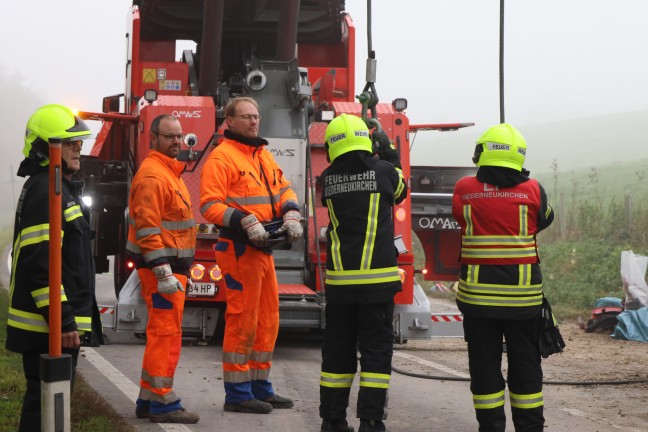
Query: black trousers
484,337
367,328
30,418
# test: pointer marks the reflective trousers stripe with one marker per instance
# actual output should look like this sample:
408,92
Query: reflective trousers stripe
488,401
332,380
374,380
526,401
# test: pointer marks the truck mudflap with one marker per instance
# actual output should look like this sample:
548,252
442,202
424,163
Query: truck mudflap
130,314
416,321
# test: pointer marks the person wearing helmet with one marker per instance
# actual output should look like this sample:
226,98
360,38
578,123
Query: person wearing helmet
27,324
242,188
362,276
500,211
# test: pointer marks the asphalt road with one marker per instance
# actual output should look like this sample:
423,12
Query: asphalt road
415,404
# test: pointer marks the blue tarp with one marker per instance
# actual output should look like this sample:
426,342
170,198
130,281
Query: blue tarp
633,325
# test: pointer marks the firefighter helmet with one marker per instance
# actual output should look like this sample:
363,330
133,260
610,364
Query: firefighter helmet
346,133
502,146
52,121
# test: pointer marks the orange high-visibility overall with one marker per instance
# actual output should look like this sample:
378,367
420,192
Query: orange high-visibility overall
161,231
236,180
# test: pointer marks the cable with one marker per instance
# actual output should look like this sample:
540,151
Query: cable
501,61
549,382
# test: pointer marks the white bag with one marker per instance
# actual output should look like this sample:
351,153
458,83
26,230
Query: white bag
633,273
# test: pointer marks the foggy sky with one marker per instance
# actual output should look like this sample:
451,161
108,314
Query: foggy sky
564,59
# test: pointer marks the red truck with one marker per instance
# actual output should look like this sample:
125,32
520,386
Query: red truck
297,60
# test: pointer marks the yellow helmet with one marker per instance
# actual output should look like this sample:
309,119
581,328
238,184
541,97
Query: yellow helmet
502,146
346,133
52,121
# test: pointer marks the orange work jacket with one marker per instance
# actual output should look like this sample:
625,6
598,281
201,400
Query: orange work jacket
161,226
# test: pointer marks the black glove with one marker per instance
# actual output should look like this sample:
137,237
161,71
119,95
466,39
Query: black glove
384,148
550,341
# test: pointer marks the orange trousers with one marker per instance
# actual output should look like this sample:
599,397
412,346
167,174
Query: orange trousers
251,320
163,339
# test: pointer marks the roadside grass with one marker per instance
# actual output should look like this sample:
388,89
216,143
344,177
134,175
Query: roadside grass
89,412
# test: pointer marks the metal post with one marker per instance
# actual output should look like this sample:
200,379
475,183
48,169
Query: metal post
55,369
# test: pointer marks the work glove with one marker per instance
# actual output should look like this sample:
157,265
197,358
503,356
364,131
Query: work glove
291,226
167,282
255,232
385,149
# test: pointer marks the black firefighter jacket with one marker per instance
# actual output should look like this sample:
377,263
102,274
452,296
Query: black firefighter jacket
361,263
29,297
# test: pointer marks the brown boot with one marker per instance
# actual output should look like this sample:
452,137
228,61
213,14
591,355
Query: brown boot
279,402
252,406
178,416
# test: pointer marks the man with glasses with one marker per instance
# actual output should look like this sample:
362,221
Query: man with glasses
241,189
162,243
27,324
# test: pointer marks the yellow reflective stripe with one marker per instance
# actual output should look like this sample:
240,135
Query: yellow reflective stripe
467,214
498,240
526,401
524,272
525,252
370,233
84,323
498,301
332,380
34,234
41,296
27,321
472,273
505,290
548,211
374,380
524,220
72,213
493,400
352,277
401,183
336,257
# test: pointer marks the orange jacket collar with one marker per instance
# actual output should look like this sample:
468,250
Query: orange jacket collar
175,166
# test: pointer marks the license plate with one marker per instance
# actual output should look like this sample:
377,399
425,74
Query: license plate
202,289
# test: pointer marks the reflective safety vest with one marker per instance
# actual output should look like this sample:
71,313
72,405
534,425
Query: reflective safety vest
498,228
161,227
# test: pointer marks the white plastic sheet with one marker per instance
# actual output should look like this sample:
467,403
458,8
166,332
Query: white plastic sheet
633,274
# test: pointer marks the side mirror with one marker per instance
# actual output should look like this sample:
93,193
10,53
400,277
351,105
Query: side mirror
110,103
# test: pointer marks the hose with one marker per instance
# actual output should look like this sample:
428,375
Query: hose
548,382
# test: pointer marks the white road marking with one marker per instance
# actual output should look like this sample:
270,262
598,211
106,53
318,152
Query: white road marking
431,364
130,389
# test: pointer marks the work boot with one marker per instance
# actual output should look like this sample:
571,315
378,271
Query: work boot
178,416
142,408
252,406
279,402
335,426
372,426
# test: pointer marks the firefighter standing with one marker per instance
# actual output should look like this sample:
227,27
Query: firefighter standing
361,273
241,188
500,211
162,242
27,325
